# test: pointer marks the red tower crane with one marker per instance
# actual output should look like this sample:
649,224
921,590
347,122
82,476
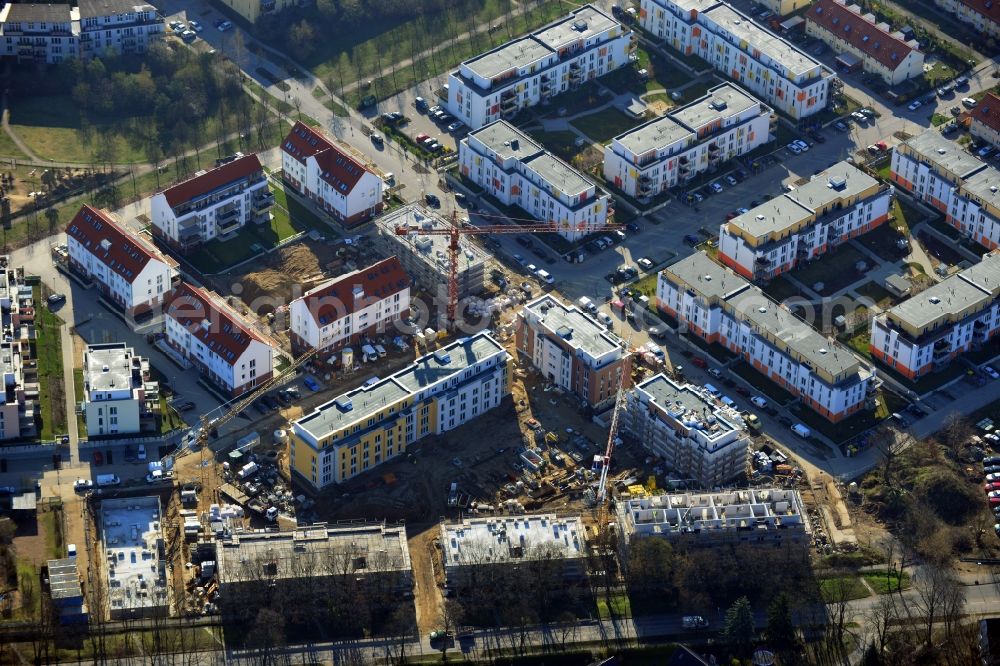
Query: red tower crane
456,231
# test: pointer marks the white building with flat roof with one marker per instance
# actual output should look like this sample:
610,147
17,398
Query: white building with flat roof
583,45
512,541
673,149
132,540
515,169
19,392
767,65
690,429
754,515
117,393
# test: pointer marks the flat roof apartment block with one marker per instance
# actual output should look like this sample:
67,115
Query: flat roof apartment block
762,514
942,174
583,45
673,149
132,540
685,425
929,330
378,420
572,349
19,393
118,396
767,65
512,167
424,257
717,305
476,544
837,204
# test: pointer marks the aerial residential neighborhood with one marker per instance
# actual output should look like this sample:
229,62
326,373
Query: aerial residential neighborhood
621,332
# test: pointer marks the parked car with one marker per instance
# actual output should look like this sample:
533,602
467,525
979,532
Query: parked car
914,105
794,149
81,485
968,102
716,187
432,200
455,126
377,140
803,146
990,372
311,383
645,262
56,298
715,372
731,180
420,104
692,240
605,319
189,36
194,25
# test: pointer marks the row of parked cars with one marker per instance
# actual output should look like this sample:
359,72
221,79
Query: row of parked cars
991,467
731,179
438,115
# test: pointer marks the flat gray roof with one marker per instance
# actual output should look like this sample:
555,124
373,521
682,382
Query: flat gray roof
567,30
111,7
771,216
64,580
425,371
935,148
985,185
579,330
979,283
560,175
653,135
754,306
777,49
507,141
700,5
24,12
108,367
512,538
722,101
515,54
708,277
685,404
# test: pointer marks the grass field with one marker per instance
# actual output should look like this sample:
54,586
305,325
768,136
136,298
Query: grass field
79,390
618,606
604,125
170,420
859,341
884,582
8,148
842,588
48,352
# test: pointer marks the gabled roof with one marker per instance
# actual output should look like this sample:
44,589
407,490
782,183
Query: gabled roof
337,168
335,299
987,112
219,177
988,8
120,250
863,35
211,321
39,13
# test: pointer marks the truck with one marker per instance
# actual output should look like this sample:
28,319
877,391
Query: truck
108,480
587,304
369,353
694,622
801,431
154,472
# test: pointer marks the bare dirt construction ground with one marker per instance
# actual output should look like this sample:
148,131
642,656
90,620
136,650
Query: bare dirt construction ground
19,183
283,275
426,561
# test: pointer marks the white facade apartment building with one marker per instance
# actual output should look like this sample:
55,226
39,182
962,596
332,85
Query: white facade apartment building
717,305
212,205
119,26
375,422
768,66
573,350
337,182
129,271
216,339
673,149
116,393
53,33
18,396
583,45
766,515
942,174
515,169
983,15
928,331
365,302
695,435
839,203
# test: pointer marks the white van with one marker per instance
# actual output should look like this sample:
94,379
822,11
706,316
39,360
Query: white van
545,276
801,431
759,401
587,304
712,390
108,480
380,350
369,353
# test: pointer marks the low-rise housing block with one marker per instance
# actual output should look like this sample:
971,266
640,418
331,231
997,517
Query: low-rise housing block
983,15
20,391
118,396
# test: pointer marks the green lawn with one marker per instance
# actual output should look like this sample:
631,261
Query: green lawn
842,588
170,420
859,341
618,606
48,352
905,215
662,75
81,422
28,603
8,148
604,125
938,74
50,523
939,119
884,582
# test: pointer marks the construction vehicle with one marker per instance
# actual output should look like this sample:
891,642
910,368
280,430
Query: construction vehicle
456,231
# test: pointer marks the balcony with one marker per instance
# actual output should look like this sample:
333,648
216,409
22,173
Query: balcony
508,103
227,214
263,201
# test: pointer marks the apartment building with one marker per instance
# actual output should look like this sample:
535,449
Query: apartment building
117,394
209,334
581,46
336,181
768,66
425,257
689,429
378,420
118,26
512,167
983,15
943,175
573,350
474,548
253,10
213,205
20,390
880,50
984,120
928,331
717,305
759,515
130,272
838,204
675,148
365,302
302,565
132,544
53,33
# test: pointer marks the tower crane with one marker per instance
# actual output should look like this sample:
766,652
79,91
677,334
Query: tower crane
456,231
